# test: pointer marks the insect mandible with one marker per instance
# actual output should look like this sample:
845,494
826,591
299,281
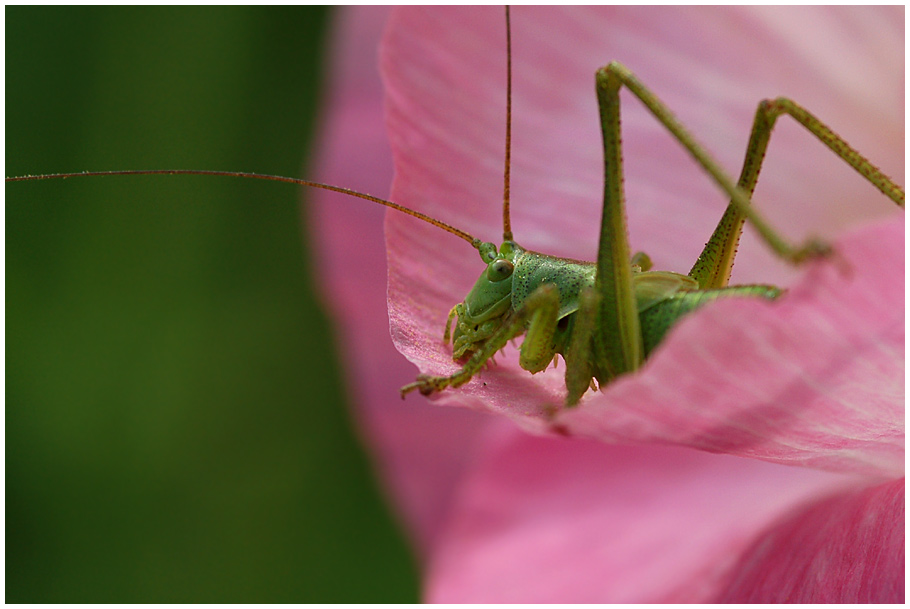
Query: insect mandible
605,317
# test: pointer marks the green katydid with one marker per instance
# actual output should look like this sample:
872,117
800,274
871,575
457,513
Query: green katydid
604,317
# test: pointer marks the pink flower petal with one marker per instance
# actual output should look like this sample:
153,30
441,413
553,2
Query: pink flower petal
419,452
815,379
504,516
445,111
547,520
844,549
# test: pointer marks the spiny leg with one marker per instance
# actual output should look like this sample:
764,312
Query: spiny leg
614,75
713,267
617,332
544,298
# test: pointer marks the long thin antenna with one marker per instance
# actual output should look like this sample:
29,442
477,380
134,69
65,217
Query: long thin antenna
476,243
506,221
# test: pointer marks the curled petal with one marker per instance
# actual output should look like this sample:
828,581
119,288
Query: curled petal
814,379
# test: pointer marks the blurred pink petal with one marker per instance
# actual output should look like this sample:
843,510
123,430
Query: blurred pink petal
445,112
848,548
419,451
548,520
500,515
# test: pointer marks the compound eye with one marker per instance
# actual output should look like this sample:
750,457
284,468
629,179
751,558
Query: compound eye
499,270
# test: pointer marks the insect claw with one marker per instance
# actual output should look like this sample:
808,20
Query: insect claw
422,384
813,248
427,385
816,249
841,263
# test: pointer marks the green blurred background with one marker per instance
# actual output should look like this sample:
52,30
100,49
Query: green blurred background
174,423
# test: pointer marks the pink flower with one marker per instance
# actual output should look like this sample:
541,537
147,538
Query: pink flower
814,380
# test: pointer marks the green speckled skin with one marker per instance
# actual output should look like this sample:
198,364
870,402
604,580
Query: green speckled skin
657,319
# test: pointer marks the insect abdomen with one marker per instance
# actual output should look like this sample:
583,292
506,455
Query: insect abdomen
657,319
